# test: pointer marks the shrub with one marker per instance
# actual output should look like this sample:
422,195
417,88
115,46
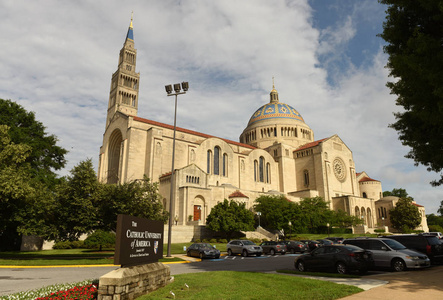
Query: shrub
68,245
435,228
100,239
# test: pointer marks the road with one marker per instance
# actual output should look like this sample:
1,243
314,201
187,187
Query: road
13,280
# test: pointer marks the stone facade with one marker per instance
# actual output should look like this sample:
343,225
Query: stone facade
277,155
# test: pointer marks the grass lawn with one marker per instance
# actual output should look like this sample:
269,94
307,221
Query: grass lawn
249,285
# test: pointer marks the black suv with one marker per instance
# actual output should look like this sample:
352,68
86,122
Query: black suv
427,244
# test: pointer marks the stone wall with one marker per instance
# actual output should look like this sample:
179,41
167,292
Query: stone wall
132,282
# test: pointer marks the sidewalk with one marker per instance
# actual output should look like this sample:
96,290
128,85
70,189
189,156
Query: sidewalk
413,284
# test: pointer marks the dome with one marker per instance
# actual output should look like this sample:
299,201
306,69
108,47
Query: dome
275,110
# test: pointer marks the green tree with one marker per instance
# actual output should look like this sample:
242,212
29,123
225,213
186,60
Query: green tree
139,198
405,216
343,220
230,217
277,212
77,200
315,214
25,204
45,155
413,33
401,193
100,239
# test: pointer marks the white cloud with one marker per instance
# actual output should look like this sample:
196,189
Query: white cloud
57,59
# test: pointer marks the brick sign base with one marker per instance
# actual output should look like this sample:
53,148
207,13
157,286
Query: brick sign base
133,282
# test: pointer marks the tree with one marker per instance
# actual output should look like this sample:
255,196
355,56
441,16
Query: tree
45,156
77,200
405,216
276,212
401,193
25,203
139,198
413,34
100,239
230,217
315,213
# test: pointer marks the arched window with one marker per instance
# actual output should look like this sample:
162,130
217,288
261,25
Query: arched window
208,161
268,173
217,161
225,164
306,177
262,168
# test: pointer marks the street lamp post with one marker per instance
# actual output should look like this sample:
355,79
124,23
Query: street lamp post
327,224
290,228
177,90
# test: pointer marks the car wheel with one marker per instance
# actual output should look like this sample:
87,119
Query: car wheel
200,255
341,268
300,266
398,265
272,252
229,252
244,253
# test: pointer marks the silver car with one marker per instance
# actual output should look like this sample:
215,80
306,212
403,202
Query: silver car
388,253
243,247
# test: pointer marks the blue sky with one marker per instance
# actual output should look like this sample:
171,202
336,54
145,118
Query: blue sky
57,59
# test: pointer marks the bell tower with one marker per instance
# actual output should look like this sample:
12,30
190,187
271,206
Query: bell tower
123,95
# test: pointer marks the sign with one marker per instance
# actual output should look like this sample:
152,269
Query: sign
138,241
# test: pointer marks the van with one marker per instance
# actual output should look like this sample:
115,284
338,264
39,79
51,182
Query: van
388,253
427,244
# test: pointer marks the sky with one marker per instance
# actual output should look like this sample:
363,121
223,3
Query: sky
57,59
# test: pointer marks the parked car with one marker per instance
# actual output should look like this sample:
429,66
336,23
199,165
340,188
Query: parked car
388,253
336,240
243,247
312,244
427,244
439,235
274,247
324,242
339,258
296,246
203,250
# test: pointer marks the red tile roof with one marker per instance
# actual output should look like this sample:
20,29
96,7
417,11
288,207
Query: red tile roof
367,179
189,131
310,145
237,194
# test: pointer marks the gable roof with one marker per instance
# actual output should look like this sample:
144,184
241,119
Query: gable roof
159,124
237,194
310,145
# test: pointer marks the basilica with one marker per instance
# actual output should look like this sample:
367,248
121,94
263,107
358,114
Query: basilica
276,154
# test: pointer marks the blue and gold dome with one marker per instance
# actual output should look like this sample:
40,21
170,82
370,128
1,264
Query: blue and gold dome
275,110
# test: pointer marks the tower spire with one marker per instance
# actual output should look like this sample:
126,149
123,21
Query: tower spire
274,94
123,95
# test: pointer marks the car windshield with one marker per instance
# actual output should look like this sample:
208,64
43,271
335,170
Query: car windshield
248,243
394,244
